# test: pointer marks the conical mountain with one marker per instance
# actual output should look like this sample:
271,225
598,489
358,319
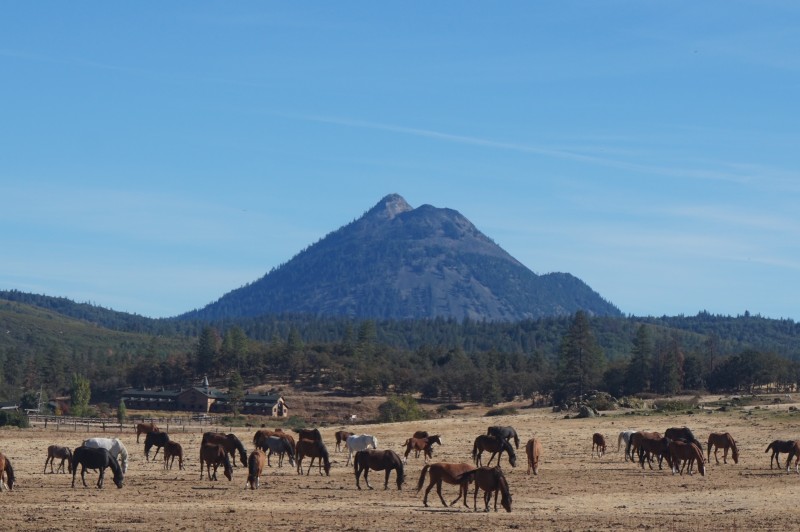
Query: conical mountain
399,262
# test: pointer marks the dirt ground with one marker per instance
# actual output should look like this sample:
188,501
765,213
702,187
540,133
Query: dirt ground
573,491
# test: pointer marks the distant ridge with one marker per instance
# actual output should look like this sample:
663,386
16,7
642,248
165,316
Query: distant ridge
398,262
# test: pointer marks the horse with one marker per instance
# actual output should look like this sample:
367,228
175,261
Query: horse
636,439
625,437
682,433
7,478
172,449
214,454
98,458
113,445
490,480
419,434
359,443
279,446
794,452
255,465
159,439
599,444
341,436
56,451
726,441
505,433
534,451
312,449
444,472
309,434
494,445
656,446
145,428
421,444
680,450
229,442
384,460
778,447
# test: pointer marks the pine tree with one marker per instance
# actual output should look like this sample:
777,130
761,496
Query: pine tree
581,360
637,374
81,393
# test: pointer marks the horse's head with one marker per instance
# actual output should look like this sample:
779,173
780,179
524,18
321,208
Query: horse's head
374,442
435,439
505,499
228,468
734,450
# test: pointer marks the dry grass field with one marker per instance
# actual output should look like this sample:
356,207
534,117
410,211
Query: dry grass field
573,491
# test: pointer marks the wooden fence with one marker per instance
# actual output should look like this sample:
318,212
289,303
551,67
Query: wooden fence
93,424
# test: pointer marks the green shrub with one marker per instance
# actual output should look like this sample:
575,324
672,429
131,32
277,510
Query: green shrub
502,411
400,408
674,405
15,418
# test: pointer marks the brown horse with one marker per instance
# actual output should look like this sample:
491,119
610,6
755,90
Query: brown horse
490,480
229,442
158,439
686,452
385,460
56,451
341,437
534,451
255,465
726,441
7,477
314,450
494,445
309,434
445,472
172,450
647,444
212,454
599,444
421,444
778,447
261,437
145,428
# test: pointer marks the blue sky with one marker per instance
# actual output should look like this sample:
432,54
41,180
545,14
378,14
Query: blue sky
154,156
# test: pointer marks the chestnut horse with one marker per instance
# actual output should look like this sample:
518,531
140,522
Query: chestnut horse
314,450
341,437
309,434
534,451
7,477
421,444
494,445
648,444
385,460
229,442
145,428
598,443
56,451
686,452
726,441
778,447
255,465
490,480
444,472
212,454
794,452
172,450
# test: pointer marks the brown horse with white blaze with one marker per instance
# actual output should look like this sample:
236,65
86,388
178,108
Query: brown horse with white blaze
725,441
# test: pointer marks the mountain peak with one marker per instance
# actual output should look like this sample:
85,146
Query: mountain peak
389,207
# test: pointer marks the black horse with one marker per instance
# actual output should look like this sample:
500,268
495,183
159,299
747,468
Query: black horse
157,439
99,459
505,433
385,460
682,433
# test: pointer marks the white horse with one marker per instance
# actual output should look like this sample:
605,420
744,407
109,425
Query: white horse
361,442
114,446
625,437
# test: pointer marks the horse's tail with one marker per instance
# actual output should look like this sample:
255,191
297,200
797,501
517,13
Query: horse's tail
422,476
769,447
407,443
516,440
475,451
10,474
466,478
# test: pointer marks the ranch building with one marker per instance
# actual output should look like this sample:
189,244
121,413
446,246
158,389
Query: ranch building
203,399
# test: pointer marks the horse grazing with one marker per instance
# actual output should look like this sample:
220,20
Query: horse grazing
309,434
444,472
625,437
421,444
534,451
361,442
113,445
682,433
172,450
726,441
778,447
213,454
145,428
599,444
506,433
686,452
56,451
229,442
794,452
255,465
7,478
385,460
653,446
341,437
314,450
279,446
494,445
95,458
159,439
490,480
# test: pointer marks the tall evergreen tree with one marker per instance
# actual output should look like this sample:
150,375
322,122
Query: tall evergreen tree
581,360
208,348
81,394
639,370
235,392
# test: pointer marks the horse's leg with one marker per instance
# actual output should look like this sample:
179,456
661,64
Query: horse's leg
724,455
45,465
491,458
386,479
366,477
475,496
83,475
100,478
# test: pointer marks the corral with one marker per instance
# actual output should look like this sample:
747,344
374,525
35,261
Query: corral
573,491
